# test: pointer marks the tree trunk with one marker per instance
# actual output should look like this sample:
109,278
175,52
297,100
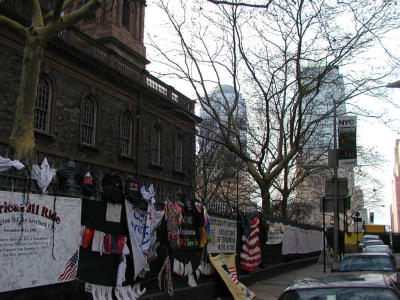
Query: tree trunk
22,143
285,197
266,200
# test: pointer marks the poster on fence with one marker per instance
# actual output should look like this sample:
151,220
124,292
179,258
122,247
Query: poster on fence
38,240
223,235
276,231
188,232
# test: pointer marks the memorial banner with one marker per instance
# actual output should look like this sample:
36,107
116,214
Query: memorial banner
223,235
140,235
188,232
38,240
275,235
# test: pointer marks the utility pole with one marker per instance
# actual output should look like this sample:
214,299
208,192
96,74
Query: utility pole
335,191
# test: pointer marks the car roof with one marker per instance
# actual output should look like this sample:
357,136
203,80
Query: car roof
366,254
374,241
343,280
378,246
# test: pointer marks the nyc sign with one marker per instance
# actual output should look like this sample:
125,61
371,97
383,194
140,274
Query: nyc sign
347,131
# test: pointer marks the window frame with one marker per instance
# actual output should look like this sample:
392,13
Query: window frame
128,137
155,145
178,155
126,8
48,111
89,97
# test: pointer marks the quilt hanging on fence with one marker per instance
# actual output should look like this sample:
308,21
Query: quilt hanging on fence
300,241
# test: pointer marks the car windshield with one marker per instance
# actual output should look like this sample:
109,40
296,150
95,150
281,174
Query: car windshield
366,263
359,293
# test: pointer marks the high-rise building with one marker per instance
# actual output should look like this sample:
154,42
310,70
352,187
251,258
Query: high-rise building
395,207
314,156
223,168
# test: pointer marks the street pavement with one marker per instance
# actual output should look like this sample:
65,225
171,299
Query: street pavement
272,288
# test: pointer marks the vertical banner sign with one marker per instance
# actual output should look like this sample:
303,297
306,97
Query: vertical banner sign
188,232
223,235
38,240
347,154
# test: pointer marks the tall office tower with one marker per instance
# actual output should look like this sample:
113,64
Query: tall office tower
220,170
314,155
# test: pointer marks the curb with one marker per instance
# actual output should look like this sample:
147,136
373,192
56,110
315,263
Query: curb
216,288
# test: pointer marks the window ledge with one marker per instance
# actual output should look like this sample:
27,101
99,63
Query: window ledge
88,147
127,157
180,173
44,134
155,166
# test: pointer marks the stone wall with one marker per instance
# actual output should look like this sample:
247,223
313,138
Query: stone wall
72,80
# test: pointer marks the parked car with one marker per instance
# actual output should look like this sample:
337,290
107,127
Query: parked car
377,249
343,287
370,262
370,243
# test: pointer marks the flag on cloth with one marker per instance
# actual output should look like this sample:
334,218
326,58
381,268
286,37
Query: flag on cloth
226,268
250,257
70,268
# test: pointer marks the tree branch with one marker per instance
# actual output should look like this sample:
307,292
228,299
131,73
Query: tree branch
12,25
77,15
240,4
37,18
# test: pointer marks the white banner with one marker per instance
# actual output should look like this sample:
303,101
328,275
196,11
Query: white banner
275,235
31,253
140,235
223,235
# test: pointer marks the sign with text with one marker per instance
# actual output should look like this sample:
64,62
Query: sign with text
276,232
223,235
38,240
188,232
347,152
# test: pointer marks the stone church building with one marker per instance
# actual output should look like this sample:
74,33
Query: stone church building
98,105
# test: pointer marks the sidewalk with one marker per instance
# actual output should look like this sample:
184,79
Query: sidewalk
271,288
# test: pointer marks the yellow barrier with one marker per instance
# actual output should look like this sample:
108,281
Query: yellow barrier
350,241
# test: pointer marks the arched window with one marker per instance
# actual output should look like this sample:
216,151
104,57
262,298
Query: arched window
178,152
126,14
155,145
41,121
88,120
125,138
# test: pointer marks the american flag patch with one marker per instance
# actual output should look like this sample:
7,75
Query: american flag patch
71,267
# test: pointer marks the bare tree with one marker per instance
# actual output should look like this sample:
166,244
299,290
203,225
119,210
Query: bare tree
264,53
220,174
43,26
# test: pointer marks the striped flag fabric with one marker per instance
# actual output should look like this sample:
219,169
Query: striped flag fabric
250,257
233,274
71,267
